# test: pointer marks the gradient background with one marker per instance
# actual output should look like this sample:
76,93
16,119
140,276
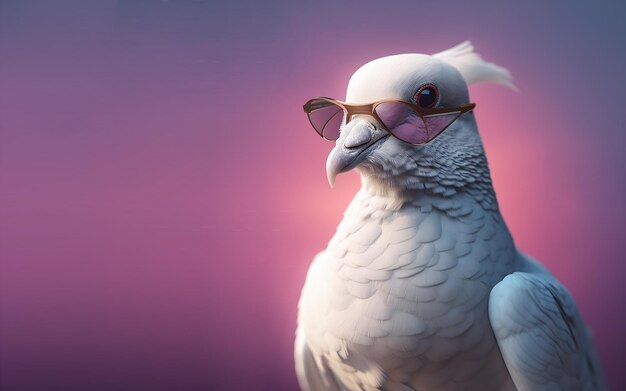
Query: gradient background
162,194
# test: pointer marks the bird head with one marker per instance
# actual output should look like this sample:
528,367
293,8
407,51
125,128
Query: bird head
429,81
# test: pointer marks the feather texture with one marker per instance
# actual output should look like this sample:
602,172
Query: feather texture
541,335
473,68
410,294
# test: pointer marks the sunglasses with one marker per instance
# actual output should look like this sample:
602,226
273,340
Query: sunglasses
405,121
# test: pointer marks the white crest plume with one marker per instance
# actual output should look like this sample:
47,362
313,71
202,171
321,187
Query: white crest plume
473,68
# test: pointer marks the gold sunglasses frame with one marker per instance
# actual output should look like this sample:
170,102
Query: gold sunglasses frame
370,109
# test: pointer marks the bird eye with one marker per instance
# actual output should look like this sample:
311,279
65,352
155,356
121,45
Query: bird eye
426,96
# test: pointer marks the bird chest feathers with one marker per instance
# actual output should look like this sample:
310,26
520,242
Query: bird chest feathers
406,281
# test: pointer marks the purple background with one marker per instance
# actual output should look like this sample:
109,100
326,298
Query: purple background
162,195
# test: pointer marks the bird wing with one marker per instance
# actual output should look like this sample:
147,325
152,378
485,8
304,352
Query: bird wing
542,337
313,375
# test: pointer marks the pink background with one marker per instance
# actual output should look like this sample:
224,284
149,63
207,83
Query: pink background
162,195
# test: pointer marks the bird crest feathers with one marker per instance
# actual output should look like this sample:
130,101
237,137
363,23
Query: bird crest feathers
473,68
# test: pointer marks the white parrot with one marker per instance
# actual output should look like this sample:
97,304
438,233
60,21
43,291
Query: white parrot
422,288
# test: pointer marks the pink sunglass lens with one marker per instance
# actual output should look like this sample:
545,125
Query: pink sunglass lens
402,122
326,118
437,123
407,125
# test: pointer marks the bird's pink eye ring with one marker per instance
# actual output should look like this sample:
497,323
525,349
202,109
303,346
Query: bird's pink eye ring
406,121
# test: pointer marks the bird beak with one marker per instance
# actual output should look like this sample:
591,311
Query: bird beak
353,147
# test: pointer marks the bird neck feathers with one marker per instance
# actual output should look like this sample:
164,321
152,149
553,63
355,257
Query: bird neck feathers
458,171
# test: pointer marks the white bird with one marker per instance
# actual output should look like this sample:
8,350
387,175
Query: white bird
422,288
